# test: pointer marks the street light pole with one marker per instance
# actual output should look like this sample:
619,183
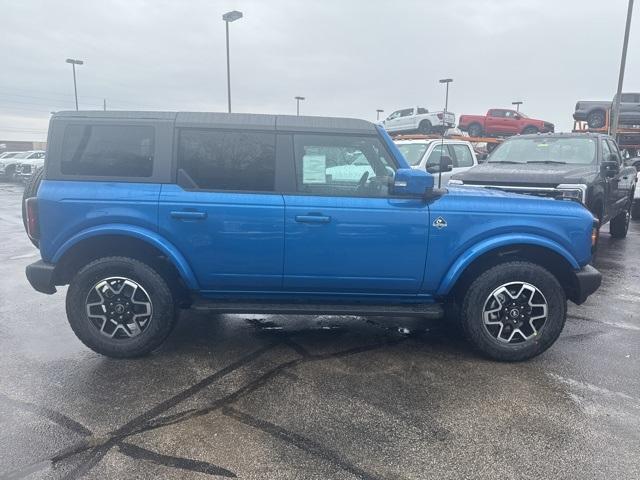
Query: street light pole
378,112
517,104
446,98
623,61
73,63
229,17
298,99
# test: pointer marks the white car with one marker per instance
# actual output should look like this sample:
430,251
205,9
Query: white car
418,119
9,163
635,208
425,155
27,166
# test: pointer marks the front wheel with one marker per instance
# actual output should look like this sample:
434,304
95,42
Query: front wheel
514,311
635,210
120,307
529,130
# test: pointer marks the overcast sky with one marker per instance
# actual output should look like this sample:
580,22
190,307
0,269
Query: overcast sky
348,57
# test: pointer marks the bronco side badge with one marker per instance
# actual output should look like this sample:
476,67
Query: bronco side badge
439,223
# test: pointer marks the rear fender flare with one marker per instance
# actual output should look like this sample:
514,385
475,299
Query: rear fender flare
146,235
486,245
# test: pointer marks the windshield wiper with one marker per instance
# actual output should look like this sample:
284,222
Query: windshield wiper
547,162
504,161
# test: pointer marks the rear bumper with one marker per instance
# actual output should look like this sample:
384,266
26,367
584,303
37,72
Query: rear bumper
588,280
40,276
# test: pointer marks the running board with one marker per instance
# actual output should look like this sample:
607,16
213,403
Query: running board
430,311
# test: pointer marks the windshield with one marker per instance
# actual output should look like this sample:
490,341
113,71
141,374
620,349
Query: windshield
22,155
574,150
413,152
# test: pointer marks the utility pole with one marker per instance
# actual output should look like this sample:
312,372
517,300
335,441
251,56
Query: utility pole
378,112
73,63
104,104
616,106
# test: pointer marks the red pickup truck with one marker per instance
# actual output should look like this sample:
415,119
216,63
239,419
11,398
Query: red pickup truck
500,121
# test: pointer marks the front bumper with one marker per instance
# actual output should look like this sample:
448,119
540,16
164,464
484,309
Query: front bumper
40,275
588,280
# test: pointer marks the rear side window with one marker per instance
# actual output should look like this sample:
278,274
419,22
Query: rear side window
222,160
108,150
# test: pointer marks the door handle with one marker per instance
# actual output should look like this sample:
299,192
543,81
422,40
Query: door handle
313,219
188,215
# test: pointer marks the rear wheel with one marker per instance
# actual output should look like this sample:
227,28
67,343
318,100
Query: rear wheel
30,191
619,225
596,119
514,311
425,127
120,307
475,130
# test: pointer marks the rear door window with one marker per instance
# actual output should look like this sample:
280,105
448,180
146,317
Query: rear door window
108,150
228,160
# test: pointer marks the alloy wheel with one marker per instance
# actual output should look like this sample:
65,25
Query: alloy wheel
515,312
119,307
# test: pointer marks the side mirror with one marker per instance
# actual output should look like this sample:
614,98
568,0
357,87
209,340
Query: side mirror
517,117
633,162
610,168
409,182
445,165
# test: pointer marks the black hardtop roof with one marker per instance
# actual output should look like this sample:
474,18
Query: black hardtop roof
253,121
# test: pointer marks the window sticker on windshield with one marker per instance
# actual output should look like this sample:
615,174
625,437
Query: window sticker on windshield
314,169
543,145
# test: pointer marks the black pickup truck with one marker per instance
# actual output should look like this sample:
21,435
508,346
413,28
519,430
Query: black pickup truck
594,111
585,168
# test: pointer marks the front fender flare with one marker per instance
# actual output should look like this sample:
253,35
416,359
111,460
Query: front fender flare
146,235
486,245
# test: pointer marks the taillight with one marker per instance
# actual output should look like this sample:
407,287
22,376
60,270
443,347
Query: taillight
440,116
33,226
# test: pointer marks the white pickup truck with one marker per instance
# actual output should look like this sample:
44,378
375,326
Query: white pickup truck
418,119
424,154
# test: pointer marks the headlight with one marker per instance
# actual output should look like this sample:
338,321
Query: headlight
573,191
453,181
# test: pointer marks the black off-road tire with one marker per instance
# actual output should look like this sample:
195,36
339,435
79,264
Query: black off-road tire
160,324
635,210
425,127
31,190
480,290
529,130
619,225
596,119
475,130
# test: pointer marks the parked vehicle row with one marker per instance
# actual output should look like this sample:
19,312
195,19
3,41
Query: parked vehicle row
144,213
20,165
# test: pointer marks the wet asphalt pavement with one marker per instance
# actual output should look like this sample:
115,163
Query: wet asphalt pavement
281,397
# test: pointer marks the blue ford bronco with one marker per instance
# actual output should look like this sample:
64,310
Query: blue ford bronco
145,213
